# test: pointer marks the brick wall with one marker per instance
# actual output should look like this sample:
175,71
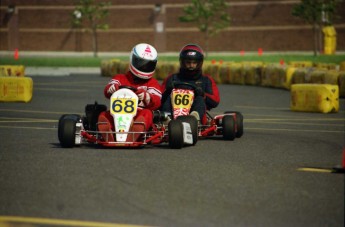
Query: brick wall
46,26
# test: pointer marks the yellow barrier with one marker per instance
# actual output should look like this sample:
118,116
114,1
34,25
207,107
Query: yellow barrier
326,66
112,67
300,64
322,98
330,40
275,75
317,76
301,75
342,66
212,70
252,72
16,89
236,76
105,68
165,69
332,77
224,74
12,70
289,73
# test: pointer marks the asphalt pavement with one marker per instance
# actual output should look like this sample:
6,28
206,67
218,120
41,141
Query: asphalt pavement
276,174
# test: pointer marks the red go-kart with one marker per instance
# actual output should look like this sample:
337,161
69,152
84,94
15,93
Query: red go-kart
229,125
74,129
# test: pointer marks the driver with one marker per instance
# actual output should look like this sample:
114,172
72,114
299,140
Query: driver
206,95
142,64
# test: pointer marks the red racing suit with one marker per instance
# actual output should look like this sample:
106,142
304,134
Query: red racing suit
144,112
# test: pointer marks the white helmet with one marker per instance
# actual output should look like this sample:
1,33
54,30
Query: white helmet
143,60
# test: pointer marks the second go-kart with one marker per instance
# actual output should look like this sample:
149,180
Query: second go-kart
229,124
74,129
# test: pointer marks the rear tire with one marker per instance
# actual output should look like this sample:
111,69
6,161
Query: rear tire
193,124
175,134
239,123
228,123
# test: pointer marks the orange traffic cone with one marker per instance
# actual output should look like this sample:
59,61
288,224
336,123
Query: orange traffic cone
16,54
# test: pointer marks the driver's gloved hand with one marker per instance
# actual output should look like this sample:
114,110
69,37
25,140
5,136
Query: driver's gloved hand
113,88
199,92
143,96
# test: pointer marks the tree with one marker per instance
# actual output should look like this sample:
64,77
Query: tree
316,13
90,14
210,16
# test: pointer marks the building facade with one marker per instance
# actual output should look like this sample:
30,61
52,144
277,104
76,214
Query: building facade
46,25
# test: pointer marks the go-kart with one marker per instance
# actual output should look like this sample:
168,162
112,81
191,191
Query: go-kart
74,129
229,124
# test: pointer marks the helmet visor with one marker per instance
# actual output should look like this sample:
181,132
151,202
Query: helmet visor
144,65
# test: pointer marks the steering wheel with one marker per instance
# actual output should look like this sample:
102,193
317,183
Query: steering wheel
128,87
183,84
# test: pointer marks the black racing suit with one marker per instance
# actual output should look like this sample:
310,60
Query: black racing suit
206,95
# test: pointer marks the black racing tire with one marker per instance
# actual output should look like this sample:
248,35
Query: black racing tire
228,123
67,129
193,124
239,123
67,133
175,134
60,125
76,117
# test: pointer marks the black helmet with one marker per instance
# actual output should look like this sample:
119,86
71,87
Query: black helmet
191,52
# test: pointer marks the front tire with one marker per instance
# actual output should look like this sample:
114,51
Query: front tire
67,130
228,123
175,134
239,125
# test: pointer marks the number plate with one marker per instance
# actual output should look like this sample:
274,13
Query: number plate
182,99
123,106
